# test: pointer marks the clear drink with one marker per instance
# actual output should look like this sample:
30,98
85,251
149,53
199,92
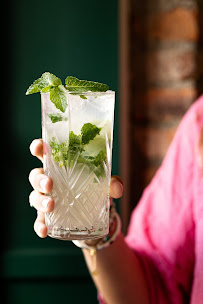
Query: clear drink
77,156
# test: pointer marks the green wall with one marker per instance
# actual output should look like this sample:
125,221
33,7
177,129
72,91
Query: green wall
77,38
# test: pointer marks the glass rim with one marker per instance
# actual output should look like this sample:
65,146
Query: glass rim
108,92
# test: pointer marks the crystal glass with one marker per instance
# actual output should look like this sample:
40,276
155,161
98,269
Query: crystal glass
77,156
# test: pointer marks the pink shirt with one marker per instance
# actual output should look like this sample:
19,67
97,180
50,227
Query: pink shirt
166,228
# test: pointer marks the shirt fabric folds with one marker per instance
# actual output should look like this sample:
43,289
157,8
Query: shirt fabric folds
166,227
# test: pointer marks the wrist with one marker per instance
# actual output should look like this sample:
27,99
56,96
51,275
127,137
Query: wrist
93,245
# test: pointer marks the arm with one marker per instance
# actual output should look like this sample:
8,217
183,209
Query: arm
161,231
120,277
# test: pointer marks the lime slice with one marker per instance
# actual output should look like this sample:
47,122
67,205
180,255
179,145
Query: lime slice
94,146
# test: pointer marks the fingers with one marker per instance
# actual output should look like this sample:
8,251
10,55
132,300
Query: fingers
42,184
116,187
41,202
40,181
36,148
39,225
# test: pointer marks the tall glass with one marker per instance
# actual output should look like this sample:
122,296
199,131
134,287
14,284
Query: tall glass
77,156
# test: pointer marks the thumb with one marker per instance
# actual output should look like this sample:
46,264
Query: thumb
116,187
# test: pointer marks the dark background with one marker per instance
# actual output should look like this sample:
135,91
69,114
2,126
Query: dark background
77,38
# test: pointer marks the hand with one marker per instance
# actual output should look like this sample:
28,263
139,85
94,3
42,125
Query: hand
43,184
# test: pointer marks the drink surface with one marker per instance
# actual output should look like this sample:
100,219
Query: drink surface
77,155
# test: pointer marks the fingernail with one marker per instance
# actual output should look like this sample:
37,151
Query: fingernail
33,145
121,189
116,179
43,183
40,229
45,203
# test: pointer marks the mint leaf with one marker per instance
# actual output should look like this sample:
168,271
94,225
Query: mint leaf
57,153
73,84
65,152
44,83
98,162
83,97
55,117
58,97
75,143
50,83
88,132
100,158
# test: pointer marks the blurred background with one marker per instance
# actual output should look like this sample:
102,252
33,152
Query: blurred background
77,38
151,53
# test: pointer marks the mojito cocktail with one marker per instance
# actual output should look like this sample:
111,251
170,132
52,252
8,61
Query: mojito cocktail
78,147
77,156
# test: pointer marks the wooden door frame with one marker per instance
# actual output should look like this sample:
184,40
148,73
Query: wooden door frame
124,103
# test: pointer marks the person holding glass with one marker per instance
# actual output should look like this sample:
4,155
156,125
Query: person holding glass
161,258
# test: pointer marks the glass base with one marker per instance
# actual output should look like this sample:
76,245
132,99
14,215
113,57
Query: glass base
69,235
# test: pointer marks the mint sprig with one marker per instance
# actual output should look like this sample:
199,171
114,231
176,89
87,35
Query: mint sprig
48,82
44,83
69,151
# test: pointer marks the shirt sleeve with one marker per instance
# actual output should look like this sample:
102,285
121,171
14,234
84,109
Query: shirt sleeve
161,230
